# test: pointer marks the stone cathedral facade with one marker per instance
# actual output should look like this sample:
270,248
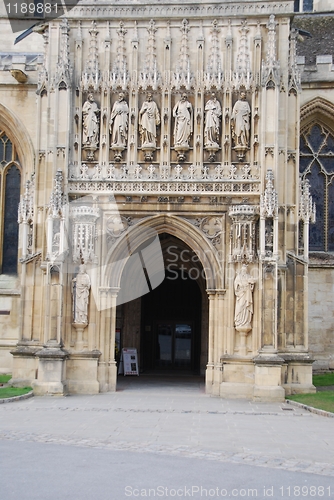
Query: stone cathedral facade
152,150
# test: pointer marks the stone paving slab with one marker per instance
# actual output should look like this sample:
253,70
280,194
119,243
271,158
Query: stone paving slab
173,420
306,466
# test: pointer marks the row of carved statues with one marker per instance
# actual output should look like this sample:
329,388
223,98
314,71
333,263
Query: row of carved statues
149,119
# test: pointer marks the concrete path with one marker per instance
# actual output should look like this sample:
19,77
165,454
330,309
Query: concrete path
173,417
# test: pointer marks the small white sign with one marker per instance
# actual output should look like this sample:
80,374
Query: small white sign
130,361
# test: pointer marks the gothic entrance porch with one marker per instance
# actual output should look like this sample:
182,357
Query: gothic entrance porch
180,130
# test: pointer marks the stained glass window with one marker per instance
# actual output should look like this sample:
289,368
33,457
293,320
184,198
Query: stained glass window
9,200
317,165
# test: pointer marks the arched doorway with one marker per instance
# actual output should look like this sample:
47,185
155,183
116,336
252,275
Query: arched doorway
121,321
169,325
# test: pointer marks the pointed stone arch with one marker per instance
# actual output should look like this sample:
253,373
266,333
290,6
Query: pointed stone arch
19,136
318,110
175,226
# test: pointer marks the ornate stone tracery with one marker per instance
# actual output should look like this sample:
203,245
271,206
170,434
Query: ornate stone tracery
176,144
243,233
84,234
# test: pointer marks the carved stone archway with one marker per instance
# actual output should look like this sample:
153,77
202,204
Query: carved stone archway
19,135
318,110
175,226
111,279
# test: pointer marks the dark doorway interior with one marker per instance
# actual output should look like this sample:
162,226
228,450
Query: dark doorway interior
171,325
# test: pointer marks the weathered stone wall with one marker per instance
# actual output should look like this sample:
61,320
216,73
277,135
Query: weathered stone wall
321,316
9,328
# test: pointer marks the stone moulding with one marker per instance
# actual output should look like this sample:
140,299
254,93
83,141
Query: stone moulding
318,105
165,187
127,10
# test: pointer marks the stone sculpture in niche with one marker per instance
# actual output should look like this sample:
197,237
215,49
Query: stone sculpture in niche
81,287
149,119
213,113
90,126
90,122
118,126
243,289
240,122
183,126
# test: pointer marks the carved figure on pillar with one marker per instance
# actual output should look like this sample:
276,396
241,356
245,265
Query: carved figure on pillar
183,126
213,112
90,122
149,119
240,122
80,288
118,126
243,289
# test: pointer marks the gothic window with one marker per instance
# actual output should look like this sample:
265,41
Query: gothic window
303,6
317,165
10,177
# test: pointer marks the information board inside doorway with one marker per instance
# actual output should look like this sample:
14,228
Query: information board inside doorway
130,361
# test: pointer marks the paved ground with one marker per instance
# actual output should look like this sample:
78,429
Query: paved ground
161,422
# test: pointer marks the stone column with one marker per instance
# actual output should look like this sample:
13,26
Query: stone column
112,366
51,358
218,340
210,365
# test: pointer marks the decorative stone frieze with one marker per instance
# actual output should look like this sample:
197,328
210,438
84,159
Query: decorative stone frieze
185,187
189,10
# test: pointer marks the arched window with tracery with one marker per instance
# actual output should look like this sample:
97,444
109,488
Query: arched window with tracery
317,165
10,187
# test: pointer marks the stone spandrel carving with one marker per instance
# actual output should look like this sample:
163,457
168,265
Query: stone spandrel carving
80,288
90,122
243,289
149,119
